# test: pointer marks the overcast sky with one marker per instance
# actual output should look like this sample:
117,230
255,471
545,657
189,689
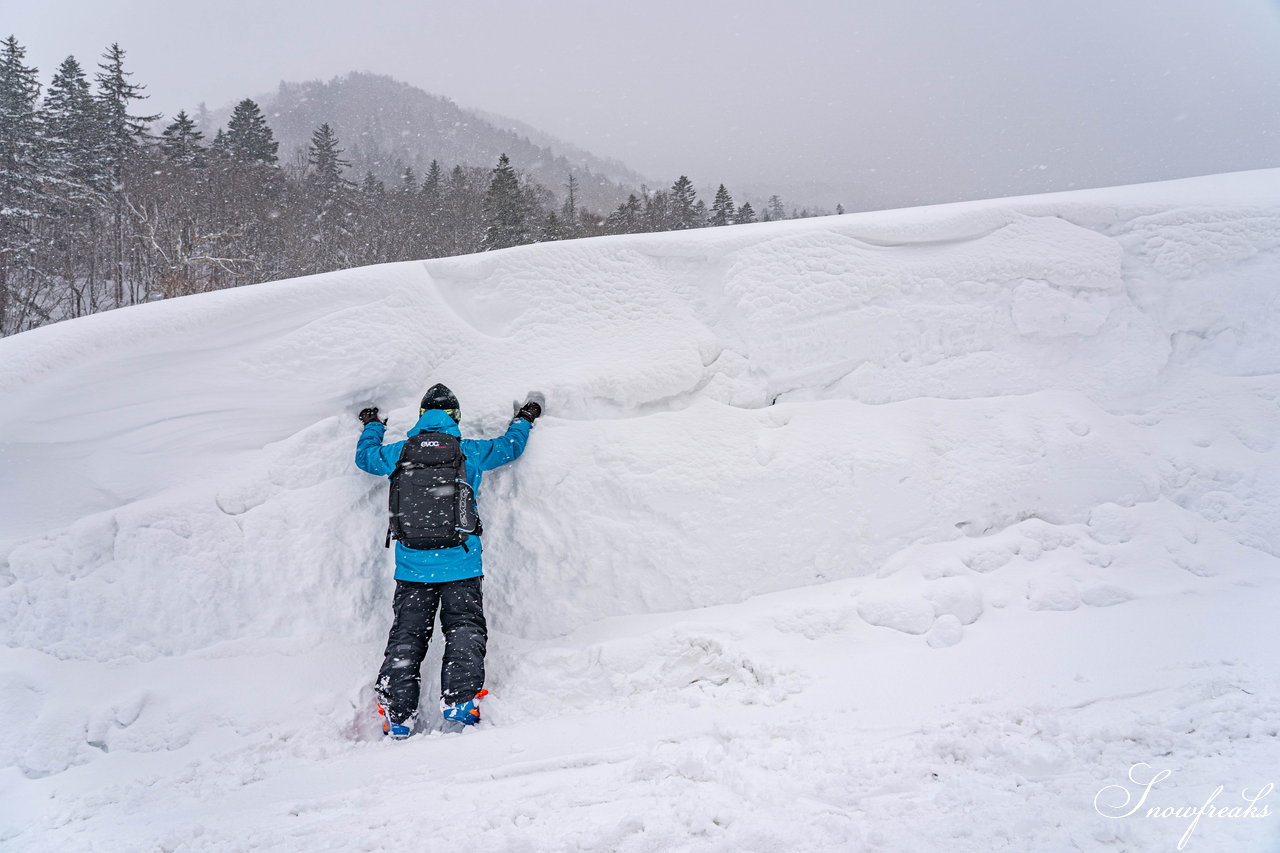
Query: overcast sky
873,102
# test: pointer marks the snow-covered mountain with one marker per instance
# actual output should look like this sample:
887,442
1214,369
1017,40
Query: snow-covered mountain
907,531
385,125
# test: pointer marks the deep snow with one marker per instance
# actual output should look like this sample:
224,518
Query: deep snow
898,531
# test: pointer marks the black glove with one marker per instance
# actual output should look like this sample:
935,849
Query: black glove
530,411
370,415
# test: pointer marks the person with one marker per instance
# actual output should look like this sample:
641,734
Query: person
446,577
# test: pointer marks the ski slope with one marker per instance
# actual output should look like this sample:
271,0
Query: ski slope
899,531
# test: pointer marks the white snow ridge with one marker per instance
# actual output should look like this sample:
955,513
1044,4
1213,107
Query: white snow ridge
943,529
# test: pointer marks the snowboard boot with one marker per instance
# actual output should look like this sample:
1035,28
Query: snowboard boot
459,715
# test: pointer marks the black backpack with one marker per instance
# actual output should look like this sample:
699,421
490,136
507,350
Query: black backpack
431,503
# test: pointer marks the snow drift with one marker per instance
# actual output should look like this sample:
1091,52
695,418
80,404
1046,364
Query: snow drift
774,456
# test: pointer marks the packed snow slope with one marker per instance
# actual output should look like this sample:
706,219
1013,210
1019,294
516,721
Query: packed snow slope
903,531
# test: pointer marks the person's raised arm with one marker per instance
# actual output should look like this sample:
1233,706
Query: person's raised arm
371,456
508,446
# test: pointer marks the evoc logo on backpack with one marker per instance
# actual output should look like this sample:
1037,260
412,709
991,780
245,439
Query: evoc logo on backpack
431,503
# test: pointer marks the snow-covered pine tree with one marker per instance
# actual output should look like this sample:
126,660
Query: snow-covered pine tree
74,129
23,183
122,132
432,209
463,224
534,199
77,156
248,138
431,183
657,211
328,194
634,214
180,141
122,136
505,221
627,218
684,202
746,214
722,208
372,238
570,226
551,228
325,163
406,206
253,198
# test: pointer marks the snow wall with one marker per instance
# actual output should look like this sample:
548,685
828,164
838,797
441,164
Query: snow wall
729,412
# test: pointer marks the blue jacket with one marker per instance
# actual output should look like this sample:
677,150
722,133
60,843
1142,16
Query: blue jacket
444,564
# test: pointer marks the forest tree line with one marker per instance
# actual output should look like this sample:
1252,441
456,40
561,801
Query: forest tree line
98,211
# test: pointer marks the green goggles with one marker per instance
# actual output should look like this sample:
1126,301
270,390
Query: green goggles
456,414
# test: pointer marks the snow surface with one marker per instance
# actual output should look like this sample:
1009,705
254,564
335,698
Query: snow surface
902,531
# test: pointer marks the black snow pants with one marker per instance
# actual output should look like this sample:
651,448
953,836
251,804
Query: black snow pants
465,637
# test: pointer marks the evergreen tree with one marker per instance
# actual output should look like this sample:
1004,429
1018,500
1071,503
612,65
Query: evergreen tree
405,210
431,183
684,202
123,132
372,237
253,200
568,219
627,218
722,209
431,210
551,228
180,141
746,214
504,209
81,185
535,200
122,137
73,128
466,199
657,212
325,163
21,178
839,210
457,229
775,211
248,138
327,193
175,212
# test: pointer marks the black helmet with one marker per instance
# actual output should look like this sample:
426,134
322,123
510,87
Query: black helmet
440,397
